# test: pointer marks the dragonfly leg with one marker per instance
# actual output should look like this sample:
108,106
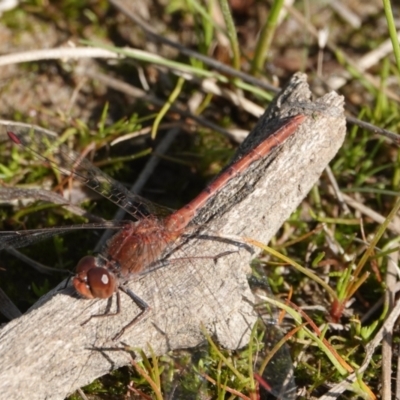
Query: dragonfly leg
66,283
163,263
106,314
210,257
226,239
224,254
145,308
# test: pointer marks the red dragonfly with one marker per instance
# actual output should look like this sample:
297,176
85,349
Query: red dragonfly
139,244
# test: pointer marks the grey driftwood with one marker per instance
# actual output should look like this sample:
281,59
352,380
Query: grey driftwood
47,354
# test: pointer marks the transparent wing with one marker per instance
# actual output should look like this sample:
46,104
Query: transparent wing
205,372
275,374
27,237
45,147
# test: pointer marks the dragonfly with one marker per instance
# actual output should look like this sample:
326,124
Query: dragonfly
138,244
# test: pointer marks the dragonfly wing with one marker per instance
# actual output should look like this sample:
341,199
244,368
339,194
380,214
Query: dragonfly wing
277,375
47,148
27,237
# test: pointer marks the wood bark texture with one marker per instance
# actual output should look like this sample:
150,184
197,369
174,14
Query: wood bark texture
47,354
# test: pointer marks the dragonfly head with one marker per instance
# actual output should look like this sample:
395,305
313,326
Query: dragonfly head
92,281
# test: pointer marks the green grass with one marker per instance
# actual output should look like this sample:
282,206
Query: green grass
321,242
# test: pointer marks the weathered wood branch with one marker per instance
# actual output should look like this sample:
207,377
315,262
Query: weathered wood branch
47,354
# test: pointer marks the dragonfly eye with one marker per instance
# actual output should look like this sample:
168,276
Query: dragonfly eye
85,264
101,282
92,281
